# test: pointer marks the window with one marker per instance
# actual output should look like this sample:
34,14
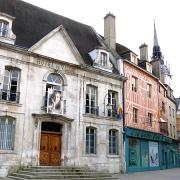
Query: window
169,110
149,88
150,119
173,112
7,132
135,115
3,28
91,100
174,130
53,97
10,91
163,107
113,142
134,84
112,103
90,140
103,59
171,129
134,152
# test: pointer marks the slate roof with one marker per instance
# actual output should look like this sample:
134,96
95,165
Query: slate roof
33,23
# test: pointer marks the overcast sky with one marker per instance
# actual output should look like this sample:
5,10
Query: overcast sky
134,24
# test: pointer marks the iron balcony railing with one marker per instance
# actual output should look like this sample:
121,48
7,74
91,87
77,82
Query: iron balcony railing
9,95
92,110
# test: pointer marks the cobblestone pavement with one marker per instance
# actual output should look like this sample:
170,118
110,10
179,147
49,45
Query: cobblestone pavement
170,174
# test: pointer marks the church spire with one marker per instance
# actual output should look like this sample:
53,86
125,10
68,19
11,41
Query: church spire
156,48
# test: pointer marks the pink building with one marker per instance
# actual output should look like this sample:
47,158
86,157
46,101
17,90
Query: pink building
141,102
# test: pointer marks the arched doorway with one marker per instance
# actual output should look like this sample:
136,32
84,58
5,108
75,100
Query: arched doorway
50,146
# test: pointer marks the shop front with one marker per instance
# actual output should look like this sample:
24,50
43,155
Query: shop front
149,151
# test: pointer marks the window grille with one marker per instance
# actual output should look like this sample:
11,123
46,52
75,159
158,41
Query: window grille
7,131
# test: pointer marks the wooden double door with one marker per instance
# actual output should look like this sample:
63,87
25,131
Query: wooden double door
50,149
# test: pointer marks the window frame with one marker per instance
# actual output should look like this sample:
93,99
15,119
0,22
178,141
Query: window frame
112,102
113,142
103,59
4,30
134,83
8,142
89,143
150,119
91,99
149,88
135,115
11,84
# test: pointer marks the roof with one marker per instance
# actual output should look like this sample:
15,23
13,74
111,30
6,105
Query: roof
32,23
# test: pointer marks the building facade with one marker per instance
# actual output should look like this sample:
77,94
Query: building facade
146,118
61,92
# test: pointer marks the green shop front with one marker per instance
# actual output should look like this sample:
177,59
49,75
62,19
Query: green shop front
149,151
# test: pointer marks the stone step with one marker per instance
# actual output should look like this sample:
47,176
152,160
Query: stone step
59,176
57,172
95,178
64,172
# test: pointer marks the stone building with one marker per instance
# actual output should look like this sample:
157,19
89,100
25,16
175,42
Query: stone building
61,91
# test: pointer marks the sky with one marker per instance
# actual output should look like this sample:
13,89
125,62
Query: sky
134,24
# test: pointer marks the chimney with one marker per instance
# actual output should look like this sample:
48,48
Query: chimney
110,30
144,52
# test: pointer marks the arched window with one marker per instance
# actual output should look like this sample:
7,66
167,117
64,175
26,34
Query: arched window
90,140
10,91
54,88
3,28
113,142
7,132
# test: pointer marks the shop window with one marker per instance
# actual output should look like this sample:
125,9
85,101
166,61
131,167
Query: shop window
7,132
90,140
112,103
144,153
91,100
10,91
135,115
3,28
134,84
53,97
113,142
134,152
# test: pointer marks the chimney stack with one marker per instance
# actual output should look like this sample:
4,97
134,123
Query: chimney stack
144,52
110,30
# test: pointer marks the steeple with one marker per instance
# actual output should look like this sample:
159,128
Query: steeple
156,48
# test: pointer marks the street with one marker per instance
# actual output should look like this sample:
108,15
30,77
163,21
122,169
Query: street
170,174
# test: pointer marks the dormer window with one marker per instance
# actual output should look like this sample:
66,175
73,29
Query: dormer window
6,34
4,28
103,59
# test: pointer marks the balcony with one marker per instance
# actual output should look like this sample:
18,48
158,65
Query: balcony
94,110
8,95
